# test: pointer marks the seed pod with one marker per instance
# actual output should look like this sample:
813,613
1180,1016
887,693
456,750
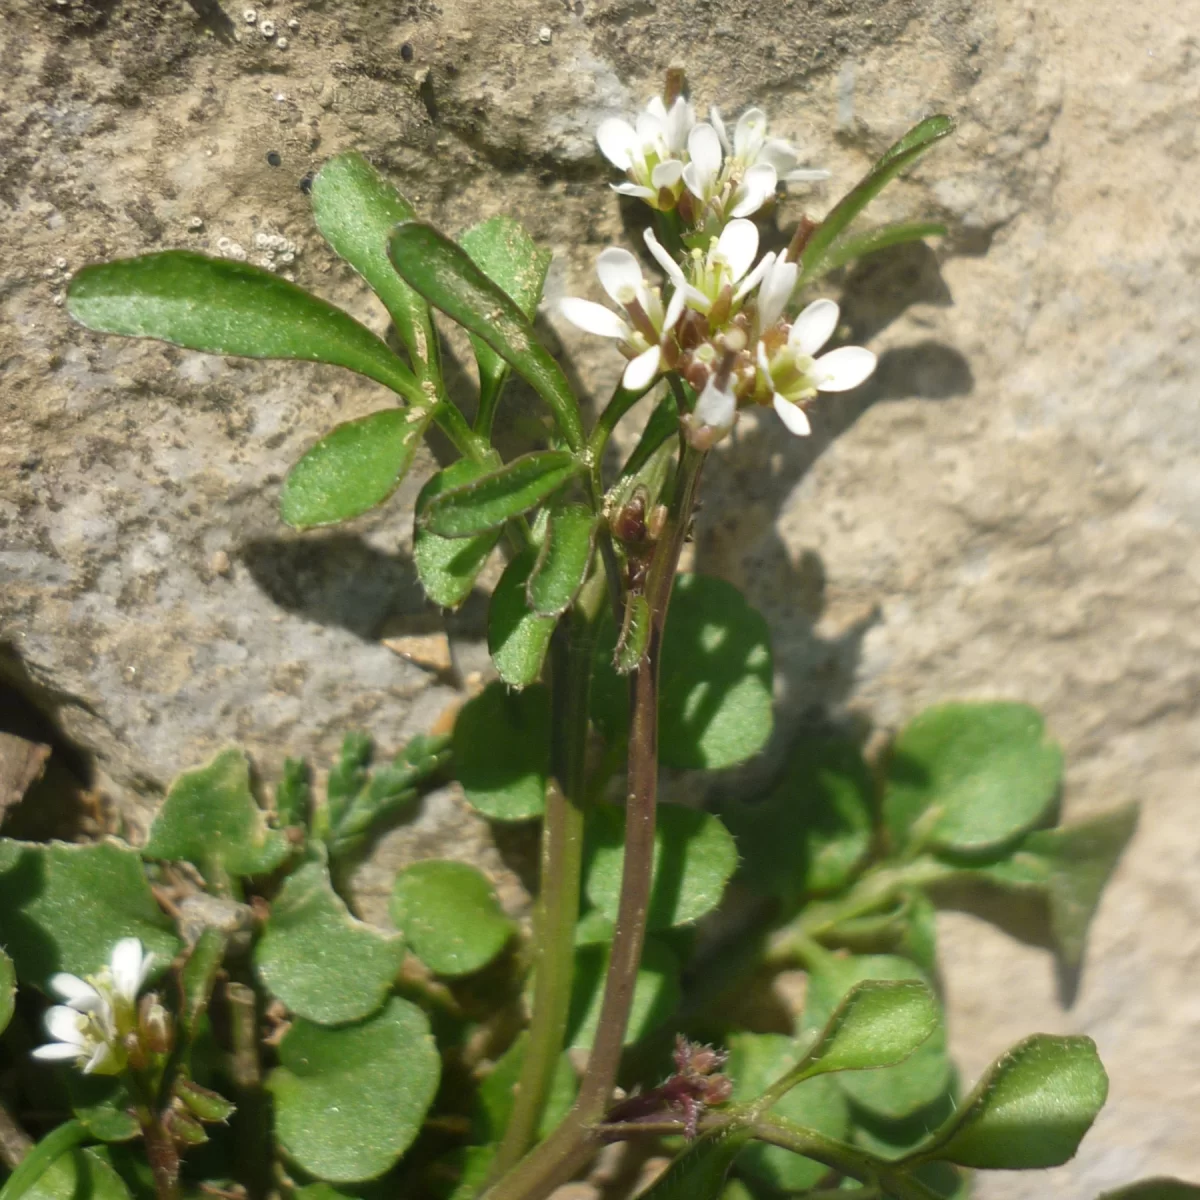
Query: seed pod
203,1103
185,1130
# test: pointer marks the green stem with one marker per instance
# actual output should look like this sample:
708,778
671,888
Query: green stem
52,1147
561,873
454,425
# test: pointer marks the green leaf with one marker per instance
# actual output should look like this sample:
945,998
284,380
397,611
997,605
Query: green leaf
102,1104
1071,865
79,1175
970,777
226,307
563,560
497,1093
449,916
716,678
518,638
635,634
812,829
512,260
319,960
655,994
8,990
348,776
447,567
293,796
1159,1188
699,1172
210,818
663,423
502,751
353,468
755,1061
1030,1110
847,249
694,858
199,975
489,501
355,209
891,1092
64,907
448,278
349,1101
899,156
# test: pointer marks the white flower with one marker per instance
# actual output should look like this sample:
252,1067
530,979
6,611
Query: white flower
716,408
99,1011
645,324
651,151
790,374
725,265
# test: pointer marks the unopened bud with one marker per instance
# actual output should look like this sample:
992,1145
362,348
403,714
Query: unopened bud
203,1103
184,1129
675,85
800,238
155,1027
629,521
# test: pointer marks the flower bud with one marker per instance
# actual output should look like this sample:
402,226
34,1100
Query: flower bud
185,1129
203,1103
155,1027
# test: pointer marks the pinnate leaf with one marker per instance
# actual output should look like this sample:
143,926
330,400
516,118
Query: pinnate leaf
353,468
318,959
225,307
349,1101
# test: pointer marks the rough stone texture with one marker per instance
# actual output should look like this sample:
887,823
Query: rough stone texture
1009,509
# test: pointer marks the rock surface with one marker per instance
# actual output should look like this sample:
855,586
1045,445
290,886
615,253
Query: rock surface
1009,509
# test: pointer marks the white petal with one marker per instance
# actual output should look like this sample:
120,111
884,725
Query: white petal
757,188
58,1052
634,189
842,369
779,154
593,318
749,134
792,415
656,108
738,246
674,309
694,298
128,967
680,119
806,175
617,141
776,290
620,275
814,327
673,270
64,1025
716,408
714,119
652,130
667,174
755,277
102,1056
641,370
695,181
704,149
78,993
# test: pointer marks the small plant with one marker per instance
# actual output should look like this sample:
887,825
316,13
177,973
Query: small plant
287,1047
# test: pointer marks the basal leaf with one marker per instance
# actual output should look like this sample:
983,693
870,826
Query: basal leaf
79,1175
293,796
447,567
497,1093
973,775
513,261
8,990
353,468
563,560
487,502
210,818
225,307
655,995
63,907
349,1101
716,686
318,959
102,1103
518,637
694,857
1159,1188
449,916
356,209
502,751
450,280
1030,1110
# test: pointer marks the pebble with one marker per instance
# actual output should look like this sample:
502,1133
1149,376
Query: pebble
545,34
220,564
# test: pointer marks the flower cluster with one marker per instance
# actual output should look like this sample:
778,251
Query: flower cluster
674,162
93,1028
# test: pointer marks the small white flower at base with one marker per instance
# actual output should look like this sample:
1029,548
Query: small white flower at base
791,374
99,1012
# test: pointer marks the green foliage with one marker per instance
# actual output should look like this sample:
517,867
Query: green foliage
495,1097
563,560
699,1172
518,637
349,1101
101,1103
293,796
716,682
449,916
315,957
210,818
226,307
694,858
1155,1189
79,1175
353,468
656,992
63,907
971,777
8,990
1030,1110
502,751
